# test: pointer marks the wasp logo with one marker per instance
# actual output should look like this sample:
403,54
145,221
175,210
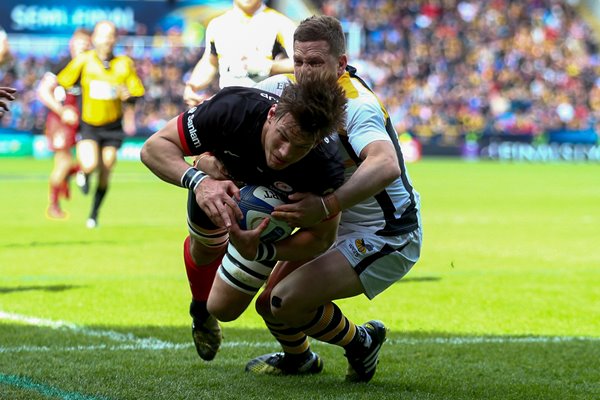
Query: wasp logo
362,246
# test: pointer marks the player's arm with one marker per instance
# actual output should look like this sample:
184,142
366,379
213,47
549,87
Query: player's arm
45,93
379,168
301,245
70,74
163,153
133,88
202,75
282,66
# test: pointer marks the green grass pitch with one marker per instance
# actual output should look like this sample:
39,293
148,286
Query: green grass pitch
504,304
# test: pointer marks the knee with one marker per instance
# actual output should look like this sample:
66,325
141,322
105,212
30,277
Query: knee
263,304
222,311
286,308
202,254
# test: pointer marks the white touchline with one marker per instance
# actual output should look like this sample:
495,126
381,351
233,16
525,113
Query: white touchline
112,335
137,343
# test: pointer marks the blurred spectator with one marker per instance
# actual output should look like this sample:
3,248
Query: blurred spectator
445,68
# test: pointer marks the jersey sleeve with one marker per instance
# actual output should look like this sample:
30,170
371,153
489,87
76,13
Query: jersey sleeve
188,124
209,44
133,81
59,66
202,127
71,73
366,124
275,84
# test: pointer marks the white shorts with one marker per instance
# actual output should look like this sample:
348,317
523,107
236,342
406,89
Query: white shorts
379,261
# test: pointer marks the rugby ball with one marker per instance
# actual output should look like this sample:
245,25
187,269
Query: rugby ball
257,203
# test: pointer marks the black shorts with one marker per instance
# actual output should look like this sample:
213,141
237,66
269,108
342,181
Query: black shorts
110,135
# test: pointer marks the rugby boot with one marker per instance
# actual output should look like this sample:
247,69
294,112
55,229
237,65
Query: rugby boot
362,362
207,337
282,364
55,212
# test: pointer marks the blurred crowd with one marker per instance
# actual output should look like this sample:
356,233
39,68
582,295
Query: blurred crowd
444,68
450,68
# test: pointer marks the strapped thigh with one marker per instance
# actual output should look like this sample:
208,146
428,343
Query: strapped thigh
244,275
201,227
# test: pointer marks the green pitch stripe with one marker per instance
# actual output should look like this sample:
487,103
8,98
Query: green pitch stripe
45,390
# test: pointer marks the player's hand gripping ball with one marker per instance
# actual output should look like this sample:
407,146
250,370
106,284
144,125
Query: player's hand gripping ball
257,203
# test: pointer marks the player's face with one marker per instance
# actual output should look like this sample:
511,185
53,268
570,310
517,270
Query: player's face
248,6
309,56
79,44
104,37
283,142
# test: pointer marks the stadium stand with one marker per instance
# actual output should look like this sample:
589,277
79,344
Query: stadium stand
444,68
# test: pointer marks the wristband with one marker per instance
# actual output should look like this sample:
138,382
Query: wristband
331,205
192,177
325,208
201,156
265,252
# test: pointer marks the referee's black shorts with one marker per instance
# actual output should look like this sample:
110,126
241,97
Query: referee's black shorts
110,135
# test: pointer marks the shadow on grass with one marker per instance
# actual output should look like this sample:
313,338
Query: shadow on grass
49,288
154,362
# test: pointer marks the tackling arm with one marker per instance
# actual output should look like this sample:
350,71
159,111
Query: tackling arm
378,169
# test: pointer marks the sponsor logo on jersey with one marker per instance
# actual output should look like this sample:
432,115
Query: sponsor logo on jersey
192,131
284,187
268,96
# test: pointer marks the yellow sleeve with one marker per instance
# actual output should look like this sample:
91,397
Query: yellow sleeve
70,75
133,82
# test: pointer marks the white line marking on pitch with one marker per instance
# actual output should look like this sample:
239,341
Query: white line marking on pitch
136,343
112,335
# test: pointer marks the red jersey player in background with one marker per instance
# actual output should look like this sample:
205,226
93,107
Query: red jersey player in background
62,123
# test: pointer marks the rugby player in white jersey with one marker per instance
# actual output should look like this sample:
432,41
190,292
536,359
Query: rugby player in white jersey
244,45
379,237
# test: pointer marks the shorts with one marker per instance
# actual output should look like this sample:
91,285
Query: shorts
379,261
60,136
110,135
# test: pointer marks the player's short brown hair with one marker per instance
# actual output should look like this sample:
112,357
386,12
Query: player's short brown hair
322,27
316,102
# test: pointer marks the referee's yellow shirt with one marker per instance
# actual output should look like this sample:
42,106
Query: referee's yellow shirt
101,85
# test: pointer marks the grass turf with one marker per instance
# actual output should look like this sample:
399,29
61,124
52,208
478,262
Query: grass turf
502,305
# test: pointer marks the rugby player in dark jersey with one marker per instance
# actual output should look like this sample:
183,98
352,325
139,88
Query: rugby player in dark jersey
257,138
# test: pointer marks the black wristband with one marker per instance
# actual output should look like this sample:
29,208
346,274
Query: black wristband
192,178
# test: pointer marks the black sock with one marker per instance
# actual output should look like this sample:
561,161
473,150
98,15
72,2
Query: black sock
98,198
198,310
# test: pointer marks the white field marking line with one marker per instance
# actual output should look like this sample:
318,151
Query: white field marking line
156,344
272,344
112,335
